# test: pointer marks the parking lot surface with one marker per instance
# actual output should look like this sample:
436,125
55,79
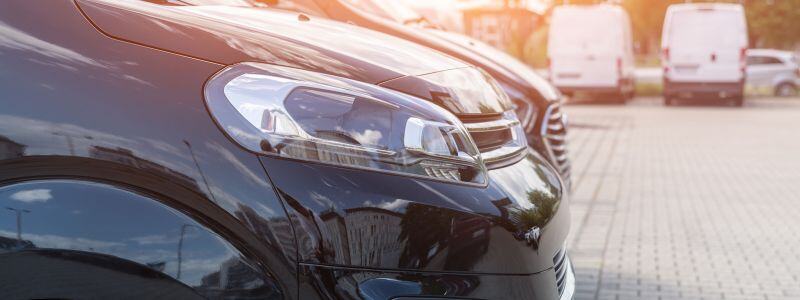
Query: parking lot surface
687,202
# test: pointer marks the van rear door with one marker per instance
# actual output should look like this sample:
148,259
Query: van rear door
584,46
706,45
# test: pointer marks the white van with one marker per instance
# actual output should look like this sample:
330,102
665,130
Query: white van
704,47
590,49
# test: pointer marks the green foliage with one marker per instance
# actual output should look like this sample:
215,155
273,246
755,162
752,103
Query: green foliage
773,23
647,18
535,51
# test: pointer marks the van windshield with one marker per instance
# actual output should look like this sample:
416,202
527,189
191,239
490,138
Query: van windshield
585,31
706,29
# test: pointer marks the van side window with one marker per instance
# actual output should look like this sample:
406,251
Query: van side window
763,60
772,61
71,239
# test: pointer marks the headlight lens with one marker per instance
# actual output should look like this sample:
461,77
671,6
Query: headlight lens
320,118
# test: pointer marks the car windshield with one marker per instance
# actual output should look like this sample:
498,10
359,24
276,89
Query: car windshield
706,29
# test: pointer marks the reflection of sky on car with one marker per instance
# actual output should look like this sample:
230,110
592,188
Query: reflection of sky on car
127,226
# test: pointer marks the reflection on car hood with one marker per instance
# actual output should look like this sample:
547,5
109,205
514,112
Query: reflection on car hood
228,35
464,91
502,62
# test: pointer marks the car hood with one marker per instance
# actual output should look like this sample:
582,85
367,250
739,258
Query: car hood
510,66
229,35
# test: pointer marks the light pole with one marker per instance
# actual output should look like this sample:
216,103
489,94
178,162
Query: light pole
19,220
180,248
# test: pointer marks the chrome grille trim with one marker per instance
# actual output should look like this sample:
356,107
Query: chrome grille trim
503,154
561,268
554,133
491,125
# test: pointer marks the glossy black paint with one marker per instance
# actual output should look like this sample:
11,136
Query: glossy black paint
350,218
229,35
56,238
78,104
346,283
81,108
520,82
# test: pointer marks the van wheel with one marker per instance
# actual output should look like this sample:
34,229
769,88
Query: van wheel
669,101
621,97
785,90
632,94
626,96
738,101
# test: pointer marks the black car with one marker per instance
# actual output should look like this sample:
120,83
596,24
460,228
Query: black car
151,151
537,102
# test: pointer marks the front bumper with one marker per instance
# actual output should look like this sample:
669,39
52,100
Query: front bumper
352,283
407,236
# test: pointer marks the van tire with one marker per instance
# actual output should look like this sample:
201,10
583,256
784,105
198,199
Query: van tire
669,101
786,89
626,96
621,97
738,101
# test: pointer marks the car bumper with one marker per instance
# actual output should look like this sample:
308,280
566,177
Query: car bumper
354,283
703,89
623,85
395,235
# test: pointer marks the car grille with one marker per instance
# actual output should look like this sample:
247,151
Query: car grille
496,139
560,267
554,131
491,139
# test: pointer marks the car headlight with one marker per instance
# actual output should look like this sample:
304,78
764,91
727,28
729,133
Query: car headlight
320,118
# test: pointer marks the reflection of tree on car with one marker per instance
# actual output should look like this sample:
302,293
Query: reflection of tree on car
531,220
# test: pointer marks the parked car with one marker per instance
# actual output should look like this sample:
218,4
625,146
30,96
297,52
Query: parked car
703,48
776,70
153,151
590,49
537,102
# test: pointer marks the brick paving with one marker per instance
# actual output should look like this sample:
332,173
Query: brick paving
689,202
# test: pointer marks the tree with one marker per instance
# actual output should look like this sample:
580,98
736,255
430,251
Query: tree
647,18
773,23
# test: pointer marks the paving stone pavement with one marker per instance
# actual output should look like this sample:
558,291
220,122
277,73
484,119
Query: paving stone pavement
688,202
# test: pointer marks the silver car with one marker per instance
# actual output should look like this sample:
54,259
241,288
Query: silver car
775,70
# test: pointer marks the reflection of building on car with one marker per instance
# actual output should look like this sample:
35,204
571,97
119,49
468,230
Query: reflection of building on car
774,70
